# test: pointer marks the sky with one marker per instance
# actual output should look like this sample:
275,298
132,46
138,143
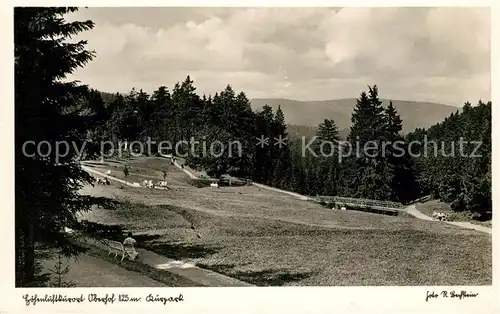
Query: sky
424,54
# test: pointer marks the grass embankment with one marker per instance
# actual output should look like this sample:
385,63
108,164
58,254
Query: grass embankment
152,168
165,277
268,246
141,169
268,238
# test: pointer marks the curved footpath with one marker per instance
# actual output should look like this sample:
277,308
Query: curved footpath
297,195
412,210
188,270
90,170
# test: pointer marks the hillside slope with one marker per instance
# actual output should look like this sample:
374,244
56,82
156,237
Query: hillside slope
310,113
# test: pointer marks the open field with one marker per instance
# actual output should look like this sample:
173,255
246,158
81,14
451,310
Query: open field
267,238
143,169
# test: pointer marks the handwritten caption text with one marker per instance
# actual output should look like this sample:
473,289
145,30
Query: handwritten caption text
104,299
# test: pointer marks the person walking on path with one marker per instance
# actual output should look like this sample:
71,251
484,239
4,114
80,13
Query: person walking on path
129,244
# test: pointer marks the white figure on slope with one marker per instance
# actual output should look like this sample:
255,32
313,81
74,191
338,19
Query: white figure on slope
129,246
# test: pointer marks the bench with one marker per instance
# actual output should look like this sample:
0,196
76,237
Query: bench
115,247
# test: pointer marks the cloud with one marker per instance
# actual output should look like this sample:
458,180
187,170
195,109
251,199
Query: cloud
429,54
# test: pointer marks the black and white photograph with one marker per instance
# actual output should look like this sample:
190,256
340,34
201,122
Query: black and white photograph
252,147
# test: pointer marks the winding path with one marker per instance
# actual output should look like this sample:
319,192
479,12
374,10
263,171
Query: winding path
412,210
189,270
185,269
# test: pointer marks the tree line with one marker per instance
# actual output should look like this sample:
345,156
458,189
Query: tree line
385,168
460,173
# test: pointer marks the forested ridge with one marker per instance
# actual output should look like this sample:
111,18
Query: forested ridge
51,109
393,173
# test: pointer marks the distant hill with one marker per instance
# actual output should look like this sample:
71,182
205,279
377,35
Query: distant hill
311,113
303,117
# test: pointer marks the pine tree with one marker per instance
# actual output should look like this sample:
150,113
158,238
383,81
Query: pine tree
327,131
460,179
216,159
114,124
126,123
227,109
263,157
328,135
162,117
47,197
394,124
280,154
377,125
367,118
327,147
399,165
372,173
99,116
145,110
187,106
214,111
244,134
359,118
230,117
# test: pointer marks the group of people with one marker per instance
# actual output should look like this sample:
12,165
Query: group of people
439,216
103,181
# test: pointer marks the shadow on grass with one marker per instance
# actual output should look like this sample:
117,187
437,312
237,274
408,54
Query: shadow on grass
165,277
272,277
143,238
221,268
113,232
101,231
181,251
147,241
263,278
200,183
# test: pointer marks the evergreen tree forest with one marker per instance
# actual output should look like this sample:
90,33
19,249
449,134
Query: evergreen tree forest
460,171
386,166
48,109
